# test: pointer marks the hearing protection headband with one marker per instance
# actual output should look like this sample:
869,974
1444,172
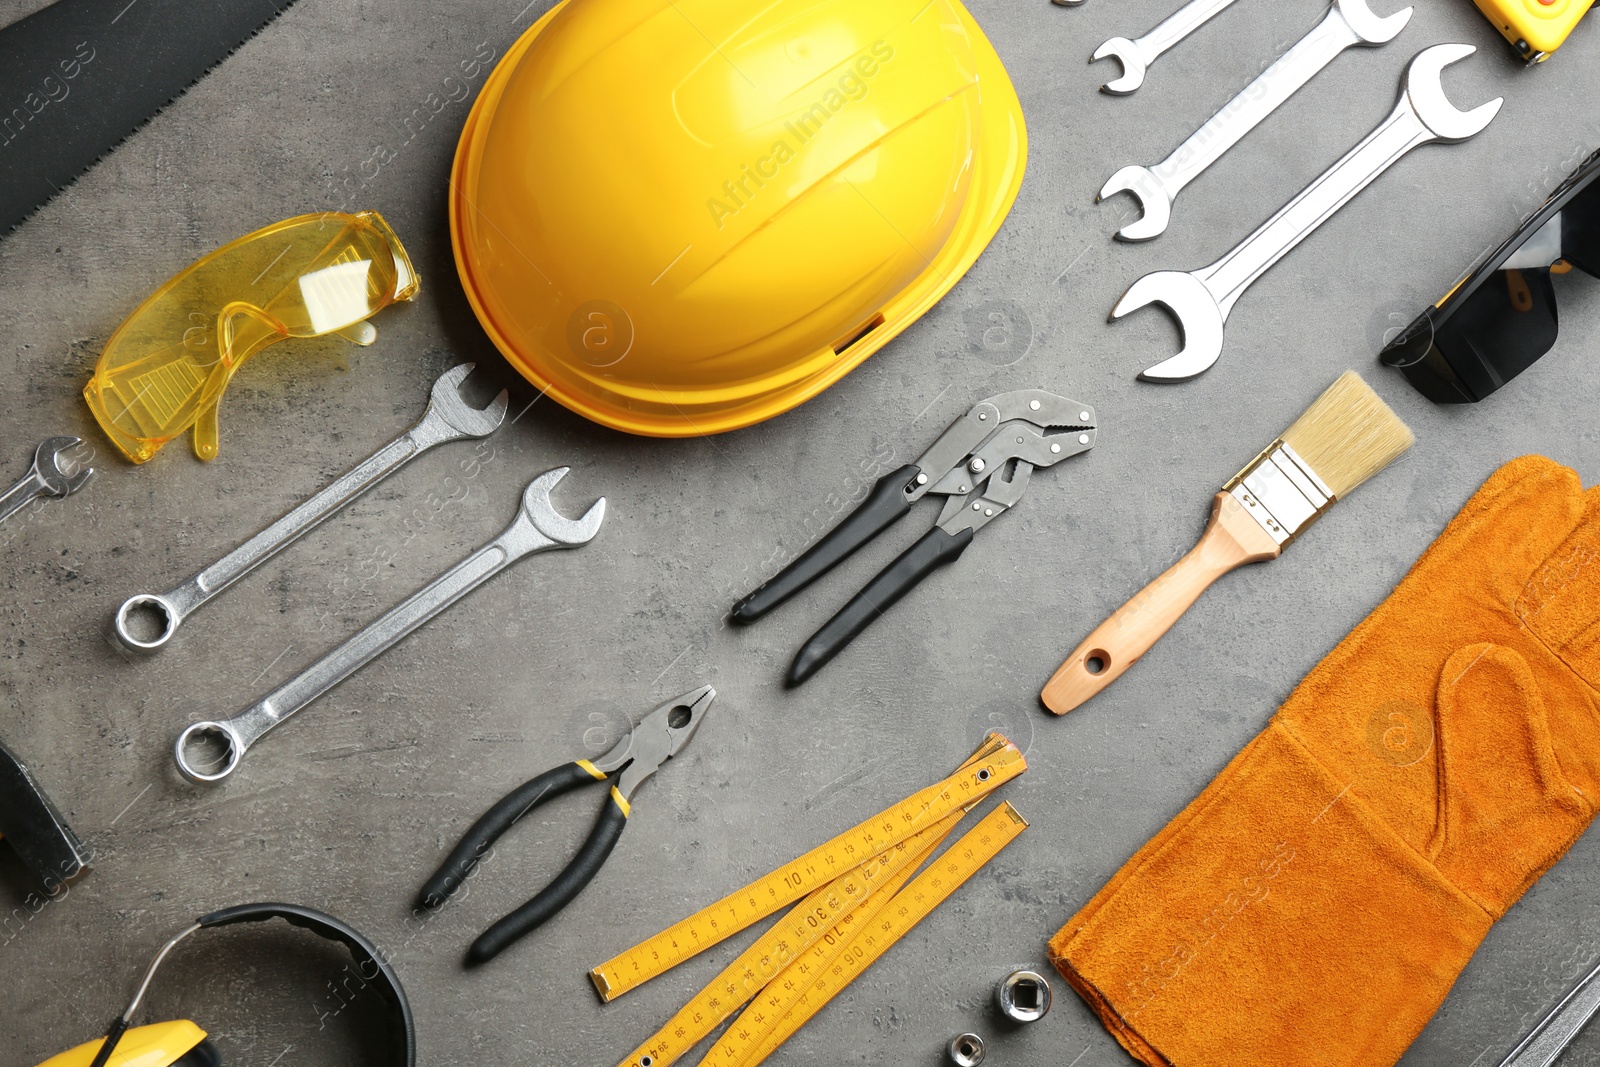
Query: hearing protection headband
369,962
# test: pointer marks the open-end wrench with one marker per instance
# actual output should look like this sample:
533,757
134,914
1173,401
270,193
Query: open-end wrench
45,477
448,418
1556,1031
1202,299
1347,24
538,527
1136,56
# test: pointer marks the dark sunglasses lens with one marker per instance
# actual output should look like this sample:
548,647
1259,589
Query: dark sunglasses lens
1580,230
1505,321
1500,330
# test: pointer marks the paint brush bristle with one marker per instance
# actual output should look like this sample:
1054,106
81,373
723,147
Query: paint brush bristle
1348,435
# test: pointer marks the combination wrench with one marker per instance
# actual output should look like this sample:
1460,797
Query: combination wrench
1556,1031
448,418
538,527
1137,55
1347,24
1202,299
45,477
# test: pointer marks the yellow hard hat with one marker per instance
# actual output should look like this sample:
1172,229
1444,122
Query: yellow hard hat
680,217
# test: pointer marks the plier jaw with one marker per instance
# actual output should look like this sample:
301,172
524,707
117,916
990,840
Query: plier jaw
659,736
982,463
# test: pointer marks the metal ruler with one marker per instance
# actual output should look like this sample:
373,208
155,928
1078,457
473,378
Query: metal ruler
996,763
804,987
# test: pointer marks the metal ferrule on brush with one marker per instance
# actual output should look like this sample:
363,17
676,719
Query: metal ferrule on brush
1281,492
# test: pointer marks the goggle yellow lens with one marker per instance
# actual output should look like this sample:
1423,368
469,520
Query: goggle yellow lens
166,367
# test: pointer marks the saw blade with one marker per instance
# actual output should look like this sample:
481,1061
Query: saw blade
80,76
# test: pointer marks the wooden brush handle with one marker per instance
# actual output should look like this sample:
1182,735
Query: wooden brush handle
1231,540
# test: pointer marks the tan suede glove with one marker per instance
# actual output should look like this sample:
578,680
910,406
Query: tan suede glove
1315,904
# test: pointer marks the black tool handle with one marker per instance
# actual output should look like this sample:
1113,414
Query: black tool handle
896,580
496,821
886,503
119,1026
560,892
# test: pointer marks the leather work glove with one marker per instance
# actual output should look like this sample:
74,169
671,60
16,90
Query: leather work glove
1317,901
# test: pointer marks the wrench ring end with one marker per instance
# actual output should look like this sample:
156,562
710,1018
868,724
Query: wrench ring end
227,734
162,606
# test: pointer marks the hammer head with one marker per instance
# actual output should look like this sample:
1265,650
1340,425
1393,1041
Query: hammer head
1133,61
1154,201
1199,317
34,828
1425,91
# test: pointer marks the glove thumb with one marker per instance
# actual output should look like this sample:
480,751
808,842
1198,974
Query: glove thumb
1506,811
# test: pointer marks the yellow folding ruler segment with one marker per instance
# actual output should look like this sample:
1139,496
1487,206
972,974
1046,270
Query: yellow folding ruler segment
813,918
761,898
807,985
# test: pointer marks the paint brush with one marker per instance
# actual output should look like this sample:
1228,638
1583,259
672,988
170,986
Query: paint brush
1343,439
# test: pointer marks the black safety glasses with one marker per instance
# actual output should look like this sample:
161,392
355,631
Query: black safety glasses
1502,317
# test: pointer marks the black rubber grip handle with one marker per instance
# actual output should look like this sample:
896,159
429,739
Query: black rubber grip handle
886,503
560,892
458,866
119,1026
896,580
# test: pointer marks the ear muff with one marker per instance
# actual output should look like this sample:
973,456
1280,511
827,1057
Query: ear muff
183,1044
178,1044
204,1054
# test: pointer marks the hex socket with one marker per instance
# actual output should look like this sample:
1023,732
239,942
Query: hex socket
1024,996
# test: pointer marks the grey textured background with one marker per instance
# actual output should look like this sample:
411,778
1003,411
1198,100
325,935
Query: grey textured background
350,807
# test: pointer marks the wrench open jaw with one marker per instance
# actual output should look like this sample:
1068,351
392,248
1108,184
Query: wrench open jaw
536,505
1136,56
46,477
1201,300
451,409
1348,24
448,418
47,462
210,750
1428,102
1134,64
1199,316
1155,202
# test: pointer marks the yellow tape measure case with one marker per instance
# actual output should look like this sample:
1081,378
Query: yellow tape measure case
1535,28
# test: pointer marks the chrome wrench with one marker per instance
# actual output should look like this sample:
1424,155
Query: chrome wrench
1347,24
448,418
1555,1032
45,477
1136,56
1202,299
538,527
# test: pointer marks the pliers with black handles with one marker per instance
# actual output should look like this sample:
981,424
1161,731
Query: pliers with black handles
981,465
659,736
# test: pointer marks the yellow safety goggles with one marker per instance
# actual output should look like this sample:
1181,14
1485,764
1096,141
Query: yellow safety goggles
166,367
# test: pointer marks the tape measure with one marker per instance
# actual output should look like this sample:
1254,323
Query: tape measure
825,913
1536,28
976,778
804,987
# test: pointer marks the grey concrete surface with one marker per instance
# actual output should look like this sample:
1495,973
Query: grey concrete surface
350,807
